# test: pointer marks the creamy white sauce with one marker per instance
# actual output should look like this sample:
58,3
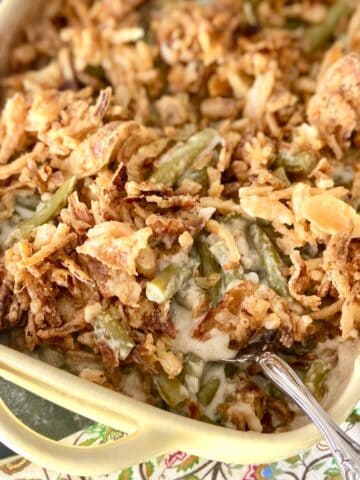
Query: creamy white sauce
226,387
337,378
180,258
252,276
132,385
192,384
340,374
20,214
5,230
190,296
214,348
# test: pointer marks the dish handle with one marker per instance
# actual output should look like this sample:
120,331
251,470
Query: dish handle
147,436
146,442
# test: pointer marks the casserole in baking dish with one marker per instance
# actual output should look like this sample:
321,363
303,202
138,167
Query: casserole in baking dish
179,180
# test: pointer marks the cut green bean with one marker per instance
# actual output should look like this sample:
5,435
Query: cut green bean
183,155
96,71
230,276
355,203
192,371
280,173
171,390
109,330
270,260
193,365
198,176
220,253
47,212
208,391
316,376
299,163
206,419
209,281
168,282
318,35
29,202
294,23
344,176
208,266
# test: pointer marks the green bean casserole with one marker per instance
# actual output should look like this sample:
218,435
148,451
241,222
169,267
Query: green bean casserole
179,179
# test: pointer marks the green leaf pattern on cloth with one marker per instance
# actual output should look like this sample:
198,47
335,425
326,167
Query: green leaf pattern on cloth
313,464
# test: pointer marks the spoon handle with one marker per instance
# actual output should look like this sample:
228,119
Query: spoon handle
345,450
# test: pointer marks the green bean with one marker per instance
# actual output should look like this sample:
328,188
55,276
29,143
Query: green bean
209,281
294,23
299,163
343,176
192,371
208,391
220,253
208,266
47,212
193,365
96,71
270,260
255,3
171,390
355,203
109,330
316,376
280,173
168,282
206,419
350,157
29,202
198,176
232,369
183,155
318,35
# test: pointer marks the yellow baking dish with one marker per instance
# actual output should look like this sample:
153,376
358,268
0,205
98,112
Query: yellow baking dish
151,431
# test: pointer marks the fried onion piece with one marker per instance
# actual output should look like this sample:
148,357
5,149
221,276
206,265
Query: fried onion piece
248,308
299,282
168,228
98,149
75,325
77,214
12,127
152,318
114,283
48,240
116,245
335,108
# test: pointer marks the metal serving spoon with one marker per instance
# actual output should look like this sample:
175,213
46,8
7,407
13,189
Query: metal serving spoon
345,450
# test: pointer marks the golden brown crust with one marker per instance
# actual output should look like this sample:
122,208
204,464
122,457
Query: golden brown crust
110,92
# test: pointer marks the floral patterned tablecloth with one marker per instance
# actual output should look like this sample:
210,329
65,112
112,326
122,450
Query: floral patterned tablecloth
314,464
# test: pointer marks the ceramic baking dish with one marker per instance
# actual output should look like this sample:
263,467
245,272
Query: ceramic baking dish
151,431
